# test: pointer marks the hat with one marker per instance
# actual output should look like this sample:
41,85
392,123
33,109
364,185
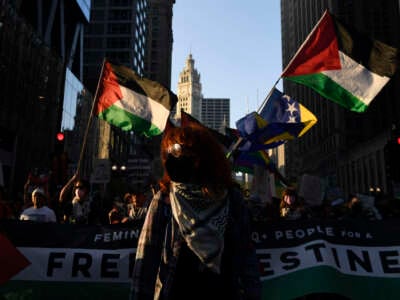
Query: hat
39,191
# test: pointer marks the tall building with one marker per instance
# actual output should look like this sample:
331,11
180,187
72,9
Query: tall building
117,31
215,113
344,148
158,62
189,90
158,59
212,112
137,34
38,43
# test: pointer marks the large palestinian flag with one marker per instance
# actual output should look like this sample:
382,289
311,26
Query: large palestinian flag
357,259
131,102
342,65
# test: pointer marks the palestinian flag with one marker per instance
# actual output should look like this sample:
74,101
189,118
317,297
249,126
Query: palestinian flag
12,261
131,102
342,65
356,259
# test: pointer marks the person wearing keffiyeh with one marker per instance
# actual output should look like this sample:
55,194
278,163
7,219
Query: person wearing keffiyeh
195,241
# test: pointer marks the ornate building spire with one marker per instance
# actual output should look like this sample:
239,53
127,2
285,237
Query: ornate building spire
189,90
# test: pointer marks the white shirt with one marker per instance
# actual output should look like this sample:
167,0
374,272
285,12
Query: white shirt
42,214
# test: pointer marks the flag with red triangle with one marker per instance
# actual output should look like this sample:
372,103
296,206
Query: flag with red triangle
342,64
11,260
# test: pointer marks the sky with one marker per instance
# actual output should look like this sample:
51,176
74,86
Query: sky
236,46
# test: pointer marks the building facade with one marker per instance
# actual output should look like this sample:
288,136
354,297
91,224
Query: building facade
117,31
38,40
158,61
137,34
344,148
215,113
158,64
189,90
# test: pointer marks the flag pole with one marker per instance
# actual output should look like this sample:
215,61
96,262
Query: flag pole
268,96
66,187
234,146
84,141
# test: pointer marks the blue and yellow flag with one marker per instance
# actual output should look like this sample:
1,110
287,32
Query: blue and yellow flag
281,119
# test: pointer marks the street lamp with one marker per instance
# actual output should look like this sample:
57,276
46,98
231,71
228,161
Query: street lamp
374,190
119,168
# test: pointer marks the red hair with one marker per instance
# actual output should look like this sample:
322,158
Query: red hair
211,166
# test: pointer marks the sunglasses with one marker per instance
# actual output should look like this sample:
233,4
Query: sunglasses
175,150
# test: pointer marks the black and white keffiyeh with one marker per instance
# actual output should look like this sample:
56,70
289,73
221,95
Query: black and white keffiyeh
201,220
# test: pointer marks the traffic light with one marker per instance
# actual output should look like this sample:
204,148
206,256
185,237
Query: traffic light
60,136
392,159
60,160
59,145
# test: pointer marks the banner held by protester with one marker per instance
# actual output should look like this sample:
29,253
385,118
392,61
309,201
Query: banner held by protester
358,260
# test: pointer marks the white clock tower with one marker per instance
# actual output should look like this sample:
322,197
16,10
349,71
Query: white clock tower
189,91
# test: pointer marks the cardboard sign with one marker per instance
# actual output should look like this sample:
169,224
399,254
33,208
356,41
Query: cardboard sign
101,171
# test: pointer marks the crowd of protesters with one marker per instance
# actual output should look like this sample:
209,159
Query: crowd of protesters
76,204
356,206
